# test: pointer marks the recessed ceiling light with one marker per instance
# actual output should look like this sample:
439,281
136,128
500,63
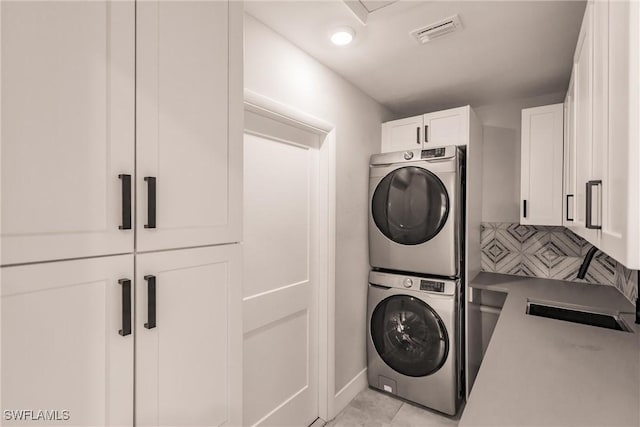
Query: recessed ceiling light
342,36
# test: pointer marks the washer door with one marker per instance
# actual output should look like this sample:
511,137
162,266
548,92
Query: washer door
410,205
409,336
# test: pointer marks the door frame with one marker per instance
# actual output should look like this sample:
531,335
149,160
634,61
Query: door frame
280,112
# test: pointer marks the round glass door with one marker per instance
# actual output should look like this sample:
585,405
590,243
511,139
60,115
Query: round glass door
410,205
409,336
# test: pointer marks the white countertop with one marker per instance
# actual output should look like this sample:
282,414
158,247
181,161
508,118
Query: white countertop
547,372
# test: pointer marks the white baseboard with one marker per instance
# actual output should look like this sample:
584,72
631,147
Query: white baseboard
349,391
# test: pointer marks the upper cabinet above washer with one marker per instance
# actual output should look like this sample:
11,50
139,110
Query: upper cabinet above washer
437,129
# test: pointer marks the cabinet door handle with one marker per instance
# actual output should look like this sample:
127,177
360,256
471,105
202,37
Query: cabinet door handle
151,202
426,133
524,208
126,202
151,302
126,307
567,217
589,205
418,135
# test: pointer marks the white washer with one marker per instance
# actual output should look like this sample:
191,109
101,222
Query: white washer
413,339
415,211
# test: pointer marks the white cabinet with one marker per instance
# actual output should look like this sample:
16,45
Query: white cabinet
189,337
65,341
438,129
620,233
402,134
569,179
583,75
606,131
447,127
541,165
188,162
67,129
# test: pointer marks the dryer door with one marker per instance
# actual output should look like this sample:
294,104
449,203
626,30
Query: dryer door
410,205
409,336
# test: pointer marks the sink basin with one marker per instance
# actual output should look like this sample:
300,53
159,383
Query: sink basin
576,315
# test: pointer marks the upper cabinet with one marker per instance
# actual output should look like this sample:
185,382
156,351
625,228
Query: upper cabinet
569,170
67,129
83,107
189,95
604,140
438,129
541,170
402,134
447,127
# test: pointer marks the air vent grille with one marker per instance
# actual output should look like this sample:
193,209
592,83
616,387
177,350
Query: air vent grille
437,29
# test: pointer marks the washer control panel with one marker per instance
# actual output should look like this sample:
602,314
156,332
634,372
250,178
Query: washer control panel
407,283
431,286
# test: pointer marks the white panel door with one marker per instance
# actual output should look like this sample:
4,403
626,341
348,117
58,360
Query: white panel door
183,115
569,180
65,345
618,217
403,134
583,70
280,282
541,160
446,127
188,359
67,128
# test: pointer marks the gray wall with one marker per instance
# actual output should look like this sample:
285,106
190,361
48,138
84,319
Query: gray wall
279,70
501,156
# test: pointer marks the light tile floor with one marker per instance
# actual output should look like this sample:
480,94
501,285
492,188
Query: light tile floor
375,409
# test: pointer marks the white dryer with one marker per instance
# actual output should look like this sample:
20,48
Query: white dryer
415,214
414,339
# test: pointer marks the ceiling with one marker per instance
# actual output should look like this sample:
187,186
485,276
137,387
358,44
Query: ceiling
505,50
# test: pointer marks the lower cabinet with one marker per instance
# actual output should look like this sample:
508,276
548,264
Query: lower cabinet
189,337
67,343
68,340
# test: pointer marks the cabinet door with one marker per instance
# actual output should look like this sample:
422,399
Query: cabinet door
584,122
569,180
67,128
403,134
188,362
620,188
541,160
62,347
447,127
188,70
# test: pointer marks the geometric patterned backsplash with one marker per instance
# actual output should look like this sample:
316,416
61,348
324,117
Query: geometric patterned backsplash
550,252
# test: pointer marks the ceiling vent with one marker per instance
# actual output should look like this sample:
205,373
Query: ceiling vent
437,30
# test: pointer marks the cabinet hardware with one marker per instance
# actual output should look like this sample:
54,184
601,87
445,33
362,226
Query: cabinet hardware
151,202
426,133
418,135
567,217
126,202
524,208
126,307
151,302
589,205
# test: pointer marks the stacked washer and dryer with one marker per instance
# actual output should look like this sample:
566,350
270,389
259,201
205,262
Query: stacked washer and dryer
416,251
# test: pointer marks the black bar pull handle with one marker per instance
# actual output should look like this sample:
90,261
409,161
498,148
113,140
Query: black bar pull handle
524,208
151,202
418,135
426,133
126,307
151,302
589,205
567,217
126,202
